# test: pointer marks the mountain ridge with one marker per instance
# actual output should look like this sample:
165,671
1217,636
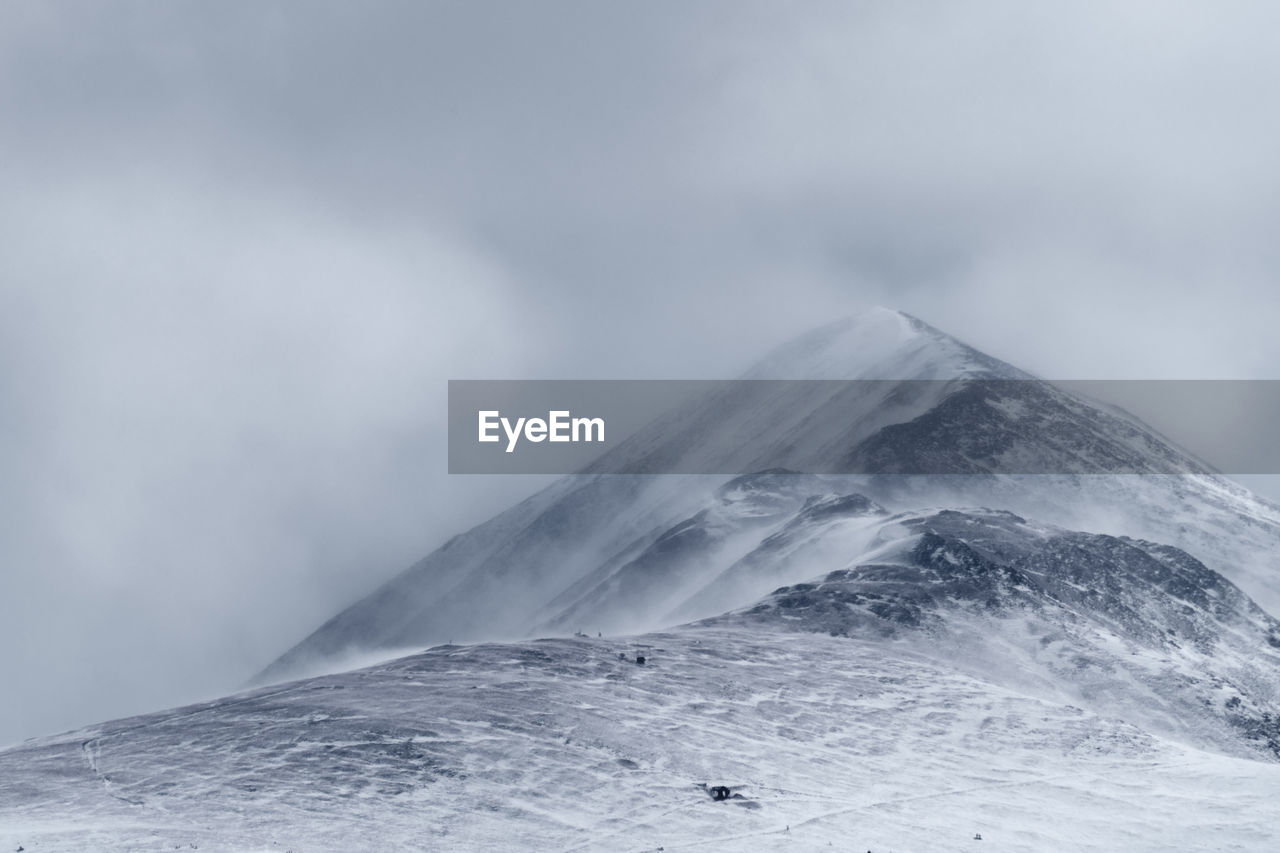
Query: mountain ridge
576,542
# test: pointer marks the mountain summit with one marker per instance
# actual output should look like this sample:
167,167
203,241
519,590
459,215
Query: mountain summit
597,552
879,343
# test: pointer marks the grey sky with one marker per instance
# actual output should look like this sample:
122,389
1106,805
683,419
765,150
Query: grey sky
243,245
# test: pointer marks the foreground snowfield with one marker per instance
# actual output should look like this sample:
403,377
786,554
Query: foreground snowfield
834,743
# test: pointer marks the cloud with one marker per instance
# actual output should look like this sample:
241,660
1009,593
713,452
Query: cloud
246,243
226,408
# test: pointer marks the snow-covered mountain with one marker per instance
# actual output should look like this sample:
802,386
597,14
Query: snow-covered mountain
601,552
972,660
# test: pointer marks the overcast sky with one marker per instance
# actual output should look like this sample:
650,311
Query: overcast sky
243,245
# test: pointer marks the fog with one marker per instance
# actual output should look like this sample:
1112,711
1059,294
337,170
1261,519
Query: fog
244,245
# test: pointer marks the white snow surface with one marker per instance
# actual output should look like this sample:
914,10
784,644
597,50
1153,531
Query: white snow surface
832,743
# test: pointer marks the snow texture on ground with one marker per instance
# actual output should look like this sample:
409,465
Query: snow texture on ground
832,743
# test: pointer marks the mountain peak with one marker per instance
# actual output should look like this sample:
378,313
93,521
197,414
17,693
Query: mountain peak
621,553
878,343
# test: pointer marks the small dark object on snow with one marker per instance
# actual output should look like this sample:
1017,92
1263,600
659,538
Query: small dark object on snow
622,655
977,836
640,659
718,793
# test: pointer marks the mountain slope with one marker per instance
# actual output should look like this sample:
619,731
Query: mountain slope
602,552
968,672
1124,627
558,745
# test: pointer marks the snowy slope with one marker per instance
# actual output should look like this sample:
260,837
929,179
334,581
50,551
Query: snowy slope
937,675
1124,627
833,743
